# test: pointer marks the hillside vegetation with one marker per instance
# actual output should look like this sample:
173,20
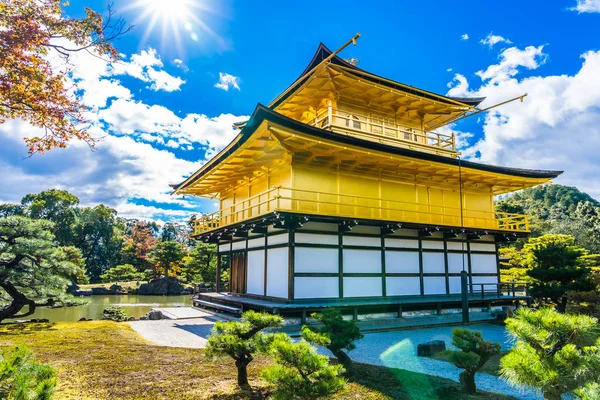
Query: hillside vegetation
558,209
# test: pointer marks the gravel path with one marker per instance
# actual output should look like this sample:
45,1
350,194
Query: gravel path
191,332
398,349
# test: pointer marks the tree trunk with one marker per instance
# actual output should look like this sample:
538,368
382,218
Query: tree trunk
467,381
561,306
343,359
551,394
242,373
19,301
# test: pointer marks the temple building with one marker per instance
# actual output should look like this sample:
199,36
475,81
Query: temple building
345,191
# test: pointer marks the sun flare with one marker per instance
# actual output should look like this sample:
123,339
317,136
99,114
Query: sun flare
176,21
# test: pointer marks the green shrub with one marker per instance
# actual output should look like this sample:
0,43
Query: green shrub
121,273
301,373
115,313
242,340
556,353
23,378
473,354
341,335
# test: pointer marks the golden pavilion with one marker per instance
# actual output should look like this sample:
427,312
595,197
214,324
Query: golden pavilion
343,191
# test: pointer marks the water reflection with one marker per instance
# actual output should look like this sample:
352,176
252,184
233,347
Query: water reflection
134,305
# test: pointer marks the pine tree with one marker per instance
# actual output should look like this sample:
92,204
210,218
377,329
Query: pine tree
242,340
556,353
22,377
341,335
557,269
301,373
474,353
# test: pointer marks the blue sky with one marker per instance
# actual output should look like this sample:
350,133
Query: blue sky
164,110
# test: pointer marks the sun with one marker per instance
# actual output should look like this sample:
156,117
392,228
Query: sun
176,21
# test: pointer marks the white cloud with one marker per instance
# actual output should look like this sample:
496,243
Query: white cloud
227,81
556,127
137,154
464,36
510,60
449,70
491,39
180,64
145,67
587,6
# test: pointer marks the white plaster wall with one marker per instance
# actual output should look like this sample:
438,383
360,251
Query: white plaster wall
362,287
402,286
408,243
433,263
315,287
456,246
277,272
455,262
365,261
401,262
434,285
278,239
454,282
432,244
257,242
488,238
224,248
483,247
309,259
239,245
316,238
485,279
256,272
483,263
361,241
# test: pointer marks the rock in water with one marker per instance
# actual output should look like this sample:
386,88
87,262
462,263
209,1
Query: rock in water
116,289
430,348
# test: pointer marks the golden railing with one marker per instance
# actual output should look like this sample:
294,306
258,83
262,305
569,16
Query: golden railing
377,128
281,198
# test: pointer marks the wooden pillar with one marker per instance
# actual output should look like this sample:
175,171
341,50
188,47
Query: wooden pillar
218,277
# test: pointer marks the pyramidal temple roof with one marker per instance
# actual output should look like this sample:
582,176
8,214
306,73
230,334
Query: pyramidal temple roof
323,52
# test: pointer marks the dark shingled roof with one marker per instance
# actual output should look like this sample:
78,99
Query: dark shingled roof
262,113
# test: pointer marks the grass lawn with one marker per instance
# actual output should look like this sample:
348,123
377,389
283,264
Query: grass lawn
491,367
108,360
129,285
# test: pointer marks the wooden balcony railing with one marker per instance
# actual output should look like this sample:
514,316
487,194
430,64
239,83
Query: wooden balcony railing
373,128
281,198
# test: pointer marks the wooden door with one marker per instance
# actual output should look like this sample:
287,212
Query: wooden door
238,272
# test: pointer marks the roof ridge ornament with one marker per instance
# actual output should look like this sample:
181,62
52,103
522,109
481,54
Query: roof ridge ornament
311,71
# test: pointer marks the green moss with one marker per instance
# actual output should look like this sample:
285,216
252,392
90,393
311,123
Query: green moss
108,360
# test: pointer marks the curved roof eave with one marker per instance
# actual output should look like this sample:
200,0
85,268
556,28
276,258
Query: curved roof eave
262,113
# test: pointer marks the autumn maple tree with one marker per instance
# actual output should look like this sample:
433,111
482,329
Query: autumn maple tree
36,89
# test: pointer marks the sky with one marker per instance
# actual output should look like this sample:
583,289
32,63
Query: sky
191,68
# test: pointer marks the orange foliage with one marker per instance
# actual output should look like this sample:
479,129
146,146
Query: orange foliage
30,89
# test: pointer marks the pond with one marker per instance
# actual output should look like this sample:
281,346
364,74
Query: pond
134,305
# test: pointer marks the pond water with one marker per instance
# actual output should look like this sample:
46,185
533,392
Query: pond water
134,305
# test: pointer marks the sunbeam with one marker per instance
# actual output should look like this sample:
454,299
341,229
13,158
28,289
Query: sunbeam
176,21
